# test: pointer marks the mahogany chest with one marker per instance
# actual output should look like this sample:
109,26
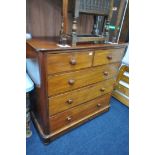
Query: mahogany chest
74,84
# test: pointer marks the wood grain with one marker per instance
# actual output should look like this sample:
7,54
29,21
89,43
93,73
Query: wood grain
62,62
62,119
59,83
43,18
52,114
123,69
121,92
61,102
49,44
122,89
119,97
30,52
108,56
39,96
125,78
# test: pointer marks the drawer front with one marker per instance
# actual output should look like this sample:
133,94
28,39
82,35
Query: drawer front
61,83
75,114
108,56
68,61
65,101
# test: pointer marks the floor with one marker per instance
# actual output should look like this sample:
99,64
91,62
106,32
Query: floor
108,134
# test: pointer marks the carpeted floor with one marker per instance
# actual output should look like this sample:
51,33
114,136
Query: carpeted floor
107,134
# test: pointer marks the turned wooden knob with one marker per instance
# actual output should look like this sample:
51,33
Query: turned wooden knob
71,81
69,118
70,101
106,73
102,89
109,57
98,105
73,62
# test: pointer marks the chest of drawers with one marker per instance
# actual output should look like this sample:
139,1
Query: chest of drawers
75,83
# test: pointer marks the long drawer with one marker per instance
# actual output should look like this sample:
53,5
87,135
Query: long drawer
108,56
75,114
65,101
68,61
73,80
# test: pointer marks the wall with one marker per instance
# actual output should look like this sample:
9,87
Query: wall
43,18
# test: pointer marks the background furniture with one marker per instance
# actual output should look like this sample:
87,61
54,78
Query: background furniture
101,10
121,90
75,83
44,18
29,88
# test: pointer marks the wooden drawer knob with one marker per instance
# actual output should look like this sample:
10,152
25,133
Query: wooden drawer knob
102,89
70,101
71,81
73,62
106,73
109,57
69,118
98,105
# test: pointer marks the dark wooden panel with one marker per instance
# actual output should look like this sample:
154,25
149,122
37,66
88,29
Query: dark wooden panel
43,18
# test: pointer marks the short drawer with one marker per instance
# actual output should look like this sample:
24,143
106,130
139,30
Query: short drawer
69,81
65,101
68,61
79,113
108,56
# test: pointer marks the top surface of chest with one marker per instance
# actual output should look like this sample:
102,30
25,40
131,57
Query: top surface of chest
51,45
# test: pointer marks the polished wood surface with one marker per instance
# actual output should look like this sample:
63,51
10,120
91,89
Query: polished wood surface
125,78
122,70
122,89
64,101
121,92
65,15
39,96
59,83
71,83
122,99
30,52
74,114
50,44
108,56
68,61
